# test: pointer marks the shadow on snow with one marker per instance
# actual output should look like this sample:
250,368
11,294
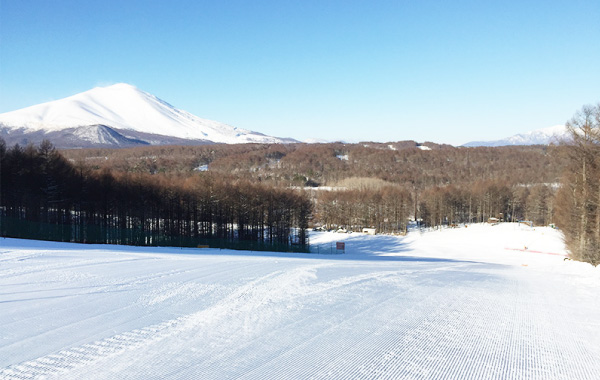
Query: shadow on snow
383,248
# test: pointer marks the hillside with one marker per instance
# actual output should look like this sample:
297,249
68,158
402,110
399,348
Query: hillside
327,164
116,116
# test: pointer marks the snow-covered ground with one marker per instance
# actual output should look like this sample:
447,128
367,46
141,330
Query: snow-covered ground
466,303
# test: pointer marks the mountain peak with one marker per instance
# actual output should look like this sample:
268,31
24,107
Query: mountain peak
119,85
124,88
124,107
543,136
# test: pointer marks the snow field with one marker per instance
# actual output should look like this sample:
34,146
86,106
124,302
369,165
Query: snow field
456,303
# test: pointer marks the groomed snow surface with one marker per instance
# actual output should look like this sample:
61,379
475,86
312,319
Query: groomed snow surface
465,303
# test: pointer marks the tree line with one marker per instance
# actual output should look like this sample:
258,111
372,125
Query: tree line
287,165
578,200
44,196
388,207
480,201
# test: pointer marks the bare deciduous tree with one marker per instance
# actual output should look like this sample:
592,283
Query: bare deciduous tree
578,202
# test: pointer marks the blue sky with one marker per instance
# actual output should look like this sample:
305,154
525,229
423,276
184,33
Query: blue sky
448,72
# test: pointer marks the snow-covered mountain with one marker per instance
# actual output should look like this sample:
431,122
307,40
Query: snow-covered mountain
542,136
119,115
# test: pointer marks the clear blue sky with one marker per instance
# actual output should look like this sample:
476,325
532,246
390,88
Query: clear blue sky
443,71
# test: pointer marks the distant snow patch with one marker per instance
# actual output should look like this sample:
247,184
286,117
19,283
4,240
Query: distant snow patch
544,136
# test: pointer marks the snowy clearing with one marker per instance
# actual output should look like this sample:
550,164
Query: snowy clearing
490,302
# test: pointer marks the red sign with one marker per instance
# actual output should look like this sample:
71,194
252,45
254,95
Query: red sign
340,246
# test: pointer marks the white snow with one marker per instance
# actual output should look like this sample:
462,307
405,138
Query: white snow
94,134
342,157
455,303
314,140
543,136
124,106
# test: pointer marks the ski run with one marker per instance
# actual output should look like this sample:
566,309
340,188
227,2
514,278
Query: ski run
476,302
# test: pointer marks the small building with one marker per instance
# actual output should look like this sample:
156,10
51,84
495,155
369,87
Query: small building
369,231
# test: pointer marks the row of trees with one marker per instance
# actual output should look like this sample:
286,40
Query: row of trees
578,201
486,199
44,196
389,207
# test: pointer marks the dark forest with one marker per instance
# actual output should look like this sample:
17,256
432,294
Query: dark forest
44,196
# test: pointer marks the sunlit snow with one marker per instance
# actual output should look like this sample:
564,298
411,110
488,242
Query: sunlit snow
124,106
482,302
544,136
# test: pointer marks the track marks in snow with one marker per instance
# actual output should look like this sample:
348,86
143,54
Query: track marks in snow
245,314
473,333
334,335
177,290
65,360
264,317
251,295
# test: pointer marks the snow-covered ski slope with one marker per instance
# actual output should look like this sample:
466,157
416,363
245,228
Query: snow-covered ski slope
466,303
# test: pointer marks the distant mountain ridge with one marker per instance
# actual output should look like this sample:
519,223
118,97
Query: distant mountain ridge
544,136
120,115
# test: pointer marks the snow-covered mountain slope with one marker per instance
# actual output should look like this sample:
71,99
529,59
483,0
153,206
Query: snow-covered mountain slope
126,108
542,136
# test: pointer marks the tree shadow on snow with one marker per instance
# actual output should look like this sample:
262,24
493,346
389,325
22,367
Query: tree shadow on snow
360,247
380,248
